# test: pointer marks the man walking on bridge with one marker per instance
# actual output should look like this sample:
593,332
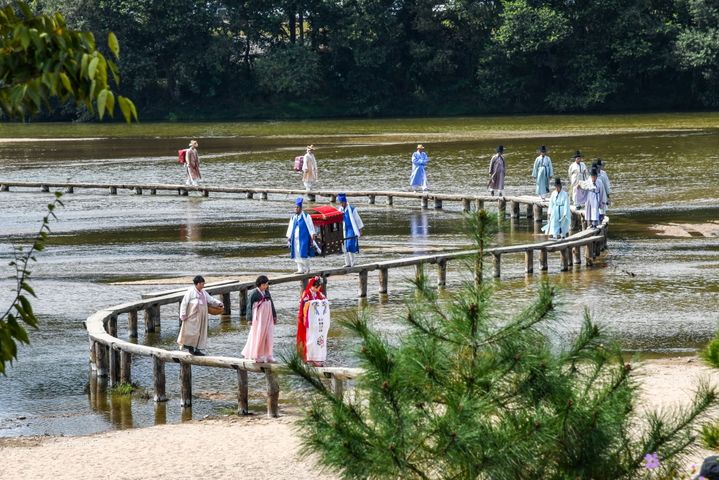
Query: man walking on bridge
352,230
301,238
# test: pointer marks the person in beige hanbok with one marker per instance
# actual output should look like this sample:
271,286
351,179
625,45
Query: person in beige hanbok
309,168
193,315
192,162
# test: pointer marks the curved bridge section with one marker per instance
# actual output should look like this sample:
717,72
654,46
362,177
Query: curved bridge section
112,356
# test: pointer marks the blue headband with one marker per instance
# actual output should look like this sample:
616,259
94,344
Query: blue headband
298,201
341,197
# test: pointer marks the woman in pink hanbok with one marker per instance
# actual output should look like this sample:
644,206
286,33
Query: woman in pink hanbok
261,336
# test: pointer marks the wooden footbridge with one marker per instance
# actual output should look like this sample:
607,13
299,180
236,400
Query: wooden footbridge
112,356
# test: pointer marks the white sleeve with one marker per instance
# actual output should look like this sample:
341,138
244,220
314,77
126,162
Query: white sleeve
358,220
305,162
212,300
310,224
183,305
289,227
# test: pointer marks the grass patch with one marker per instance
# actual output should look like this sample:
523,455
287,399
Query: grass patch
130,389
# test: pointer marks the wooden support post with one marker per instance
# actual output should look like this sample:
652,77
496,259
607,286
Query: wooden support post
149,318
529,261
132,323
372,199
311,197
243,304
480,205
438,204
565,262
138,191
125,367
114,367
113,190
101,359
273,394
70,189
250,195
112,325
243,407
4,188
418,271
577,255
383,274
323,289
570,257
263,196
425,203
543,260
338,387
205,193
45,188
530,211
537,213
226,303
502,208
362,284
333,198
184,192
514,208
158,373
153,191
466,205
93,365
185,385
390,200
497,270
588,255
441,273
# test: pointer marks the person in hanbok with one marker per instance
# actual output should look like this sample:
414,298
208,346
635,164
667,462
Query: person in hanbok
542,172
312,297
352,230
192,163
301,238
577,173
309,169
596,201
496,172
559,215
193,315
418,178
261,311
604,178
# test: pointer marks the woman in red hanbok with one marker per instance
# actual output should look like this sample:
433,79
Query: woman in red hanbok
312,292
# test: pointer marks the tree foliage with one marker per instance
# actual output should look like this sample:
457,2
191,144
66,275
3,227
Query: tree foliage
407,57
20,309
43,59
469,394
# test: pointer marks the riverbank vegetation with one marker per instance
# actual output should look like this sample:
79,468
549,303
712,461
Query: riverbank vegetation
190,60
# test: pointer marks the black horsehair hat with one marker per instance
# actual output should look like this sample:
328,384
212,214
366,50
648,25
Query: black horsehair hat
594,172
543,149
557,182
577,154
500,149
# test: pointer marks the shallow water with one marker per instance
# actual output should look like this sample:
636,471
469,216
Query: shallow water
657,293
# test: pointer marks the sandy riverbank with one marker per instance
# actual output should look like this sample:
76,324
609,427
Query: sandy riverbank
254,447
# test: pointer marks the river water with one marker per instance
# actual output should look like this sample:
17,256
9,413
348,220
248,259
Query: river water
656,289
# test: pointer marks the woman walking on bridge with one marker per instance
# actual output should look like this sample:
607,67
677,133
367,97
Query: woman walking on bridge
313,324
193,315
192,161
261,310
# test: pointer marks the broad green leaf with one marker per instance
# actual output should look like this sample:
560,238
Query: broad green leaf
66,83
101,102
125,107
92,68
113,44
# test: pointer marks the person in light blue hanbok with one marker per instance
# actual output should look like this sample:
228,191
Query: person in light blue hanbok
418,179
596,202
352,230
301,238
559,214
542,172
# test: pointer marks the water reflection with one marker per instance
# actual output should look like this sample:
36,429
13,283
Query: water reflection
191,230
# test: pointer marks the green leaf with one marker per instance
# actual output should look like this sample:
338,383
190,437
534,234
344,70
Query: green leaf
25,286
113,44
92,69
101,102
66,83
125,107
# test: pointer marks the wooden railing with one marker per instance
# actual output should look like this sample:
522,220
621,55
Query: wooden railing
111,356
533,204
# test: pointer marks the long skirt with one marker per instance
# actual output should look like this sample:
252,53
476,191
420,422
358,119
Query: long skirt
261,336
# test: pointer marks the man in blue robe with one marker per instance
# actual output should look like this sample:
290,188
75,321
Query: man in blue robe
559,215
542,172
301,238
352,230
418,178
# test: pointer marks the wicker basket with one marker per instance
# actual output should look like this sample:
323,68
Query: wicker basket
215,310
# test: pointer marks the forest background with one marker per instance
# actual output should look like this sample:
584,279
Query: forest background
230,59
